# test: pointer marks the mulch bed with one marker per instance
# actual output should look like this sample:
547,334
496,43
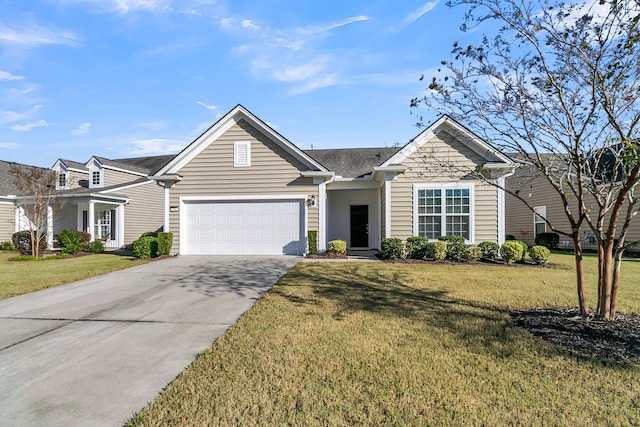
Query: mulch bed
590,336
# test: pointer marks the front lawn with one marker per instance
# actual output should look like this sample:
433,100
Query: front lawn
21,277
404,344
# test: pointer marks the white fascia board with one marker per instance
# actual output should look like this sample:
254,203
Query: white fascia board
221,127
475,143
493,165
93,159
318,174
94,196
350,184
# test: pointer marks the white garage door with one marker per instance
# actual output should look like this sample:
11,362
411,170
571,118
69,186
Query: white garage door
273,227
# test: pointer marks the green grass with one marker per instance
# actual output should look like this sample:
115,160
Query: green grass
398,344
21,277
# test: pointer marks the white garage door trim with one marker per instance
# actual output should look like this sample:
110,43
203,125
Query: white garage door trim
300,198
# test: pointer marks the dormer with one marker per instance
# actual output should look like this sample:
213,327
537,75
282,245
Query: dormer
62,175
96,173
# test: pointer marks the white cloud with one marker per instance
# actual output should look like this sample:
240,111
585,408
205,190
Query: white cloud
315,84
123,6
7,76
207,106
332,26
418,13
32,35
156,146
247,23
27,127
8,116
81,129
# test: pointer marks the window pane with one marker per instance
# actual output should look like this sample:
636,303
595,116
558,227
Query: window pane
429,226
429,202
457,200
540,228
458,225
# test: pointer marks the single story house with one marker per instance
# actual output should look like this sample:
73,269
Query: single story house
242,188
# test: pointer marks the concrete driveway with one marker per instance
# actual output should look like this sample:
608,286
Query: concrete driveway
97,351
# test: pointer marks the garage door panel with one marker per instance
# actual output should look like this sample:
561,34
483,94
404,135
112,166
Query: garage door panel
246,227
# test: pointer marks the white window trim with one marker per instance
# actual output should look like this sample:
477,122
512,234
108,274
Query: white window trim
446,186
101,173
66,180
543,214
236,162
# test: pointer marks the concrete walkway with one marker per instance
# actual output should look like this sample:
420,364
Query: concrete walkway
95,352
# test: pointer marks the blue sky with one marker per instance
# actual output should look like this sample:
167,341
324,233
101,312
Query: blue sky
128,78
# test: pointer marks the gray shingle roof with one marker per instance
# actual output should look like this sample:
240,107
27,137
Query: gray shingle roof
151,163
73,165
7,185
351,162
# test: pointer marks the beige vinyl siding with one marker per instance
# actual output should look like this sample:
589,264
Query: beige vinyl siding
145,211
7,221
273,171
74,178
430,164
112,177
537,191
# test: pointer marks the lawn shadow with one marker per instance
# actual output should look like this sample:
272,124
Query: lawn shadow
480,327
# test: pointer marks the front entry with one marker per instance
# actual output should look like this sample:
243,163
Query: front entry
360,226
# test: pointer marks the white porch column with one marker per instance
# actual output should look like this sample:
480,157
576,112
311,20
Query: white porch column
501,210
18,220
49,227
322,217
92,220
166,225
388,177
120,224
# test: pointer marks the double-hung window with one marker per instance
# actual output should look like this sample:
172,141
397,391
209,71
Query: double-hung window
539,225
444,210
62,180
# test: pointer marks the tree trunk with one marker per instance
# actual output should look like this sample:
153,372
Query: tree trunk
604,297
582,300
617,266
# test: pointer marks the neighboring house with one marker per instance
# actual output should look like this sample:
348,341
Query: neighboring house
525,224
113,200
242,188
11,219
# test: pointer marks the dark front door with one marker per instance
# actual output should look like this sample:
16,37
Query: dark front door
360,226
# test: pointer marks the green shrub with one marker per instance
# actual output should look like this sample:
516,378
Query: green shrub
490,250
511,251
70,241
7,246
165,241
472,253
149,234
418,247
539,254
146,247
338,247
312,239
550,240
509,237
455,247
391,248
525,249
96,247
437,250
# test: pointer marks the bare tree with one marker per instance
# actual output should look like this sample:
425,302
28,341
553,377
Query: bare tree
557,85
37,188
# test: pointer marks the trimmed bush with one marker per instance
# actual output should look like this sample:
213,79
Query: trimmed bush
96,247
455,247
22,242
338,247
437,250
70,241
149,234
146,247
539,254
472,253
418,247
7,246
490,250
511,251
549,240
312,241
525,249
391,248
165,241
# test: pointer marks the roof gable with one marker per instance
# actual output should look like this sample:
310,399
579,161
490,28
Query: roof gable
230,119
459,132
